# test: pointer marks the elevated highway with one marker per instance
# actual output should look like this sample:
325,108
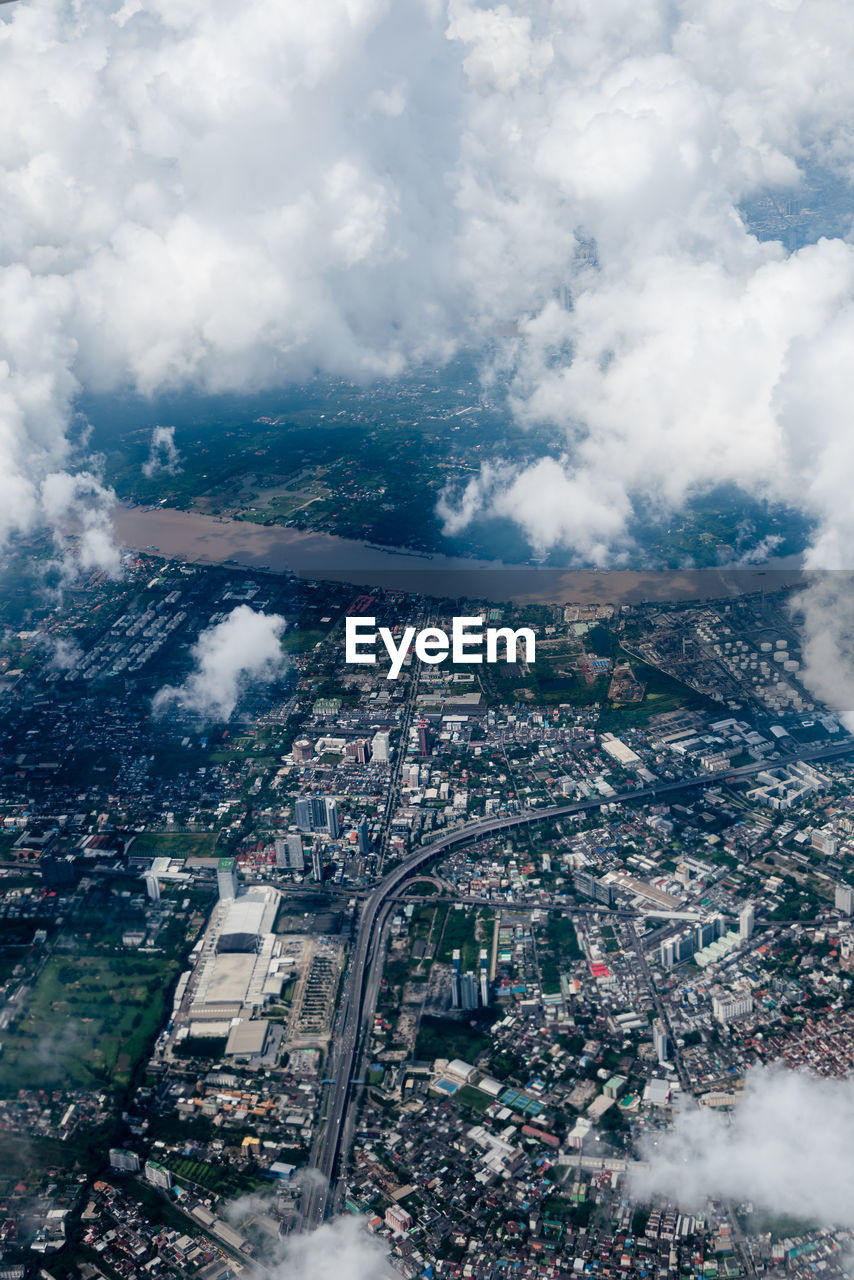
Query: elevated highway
364,971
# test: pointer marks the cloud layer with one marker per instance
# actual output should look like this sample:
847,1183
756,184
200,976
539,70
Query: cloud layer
788,1147
198,194
245,647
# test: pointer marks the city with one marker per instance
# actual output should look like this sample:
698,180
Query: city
443,953
426,640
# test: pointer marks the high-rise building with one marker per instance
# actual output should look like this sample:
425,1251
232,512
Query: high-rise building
681,947
424,737
456,980
363,836
484,979
302,751
357,750
124,1161
468,992
685,946
397,1220
319,816
316,865
296,856
661,1041
844,899
604,893
705,934
413,775
226,879
303,814
317,813
157,1175
587,884
825,842
729,1005
746,920
380,747
289,853
152,888
584,882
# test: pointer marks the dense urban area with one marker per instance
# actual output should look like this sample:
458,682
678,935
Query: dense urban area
445,953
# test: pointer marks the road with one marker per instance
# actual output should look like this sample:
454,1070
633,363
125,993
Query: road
365,969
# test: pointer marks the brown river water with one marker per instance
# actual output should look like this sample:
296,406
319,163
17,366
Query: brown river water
203,539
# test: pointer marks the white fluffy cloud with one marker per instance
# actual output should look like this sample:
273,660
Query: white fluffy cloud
338,1250
788,1147
162,453
200,194
244,647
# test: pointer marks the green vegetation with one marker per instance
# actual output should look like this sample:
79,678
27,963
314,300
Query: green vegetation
465,930
422,888
447,1038
300,641
36,1160
609,937
780,1225
89,1022
176,844
663,693
560,948
553,679
640,1218
598,640
223,1180
7,839
473,1098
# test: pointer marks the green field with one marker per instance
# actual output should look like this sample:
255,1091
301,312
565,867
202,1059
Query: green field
557,952
663,693
468,1096
460,933
89,1022
221,1179
176,844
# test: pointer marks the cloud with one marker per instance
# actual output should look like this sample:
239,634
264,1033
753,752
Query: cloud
679,353
338,1250
824,610
77,506
788,1147
244,647
162,453
64,654
201,195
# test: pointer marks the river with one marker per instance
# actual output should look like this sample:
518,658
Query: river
203,539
